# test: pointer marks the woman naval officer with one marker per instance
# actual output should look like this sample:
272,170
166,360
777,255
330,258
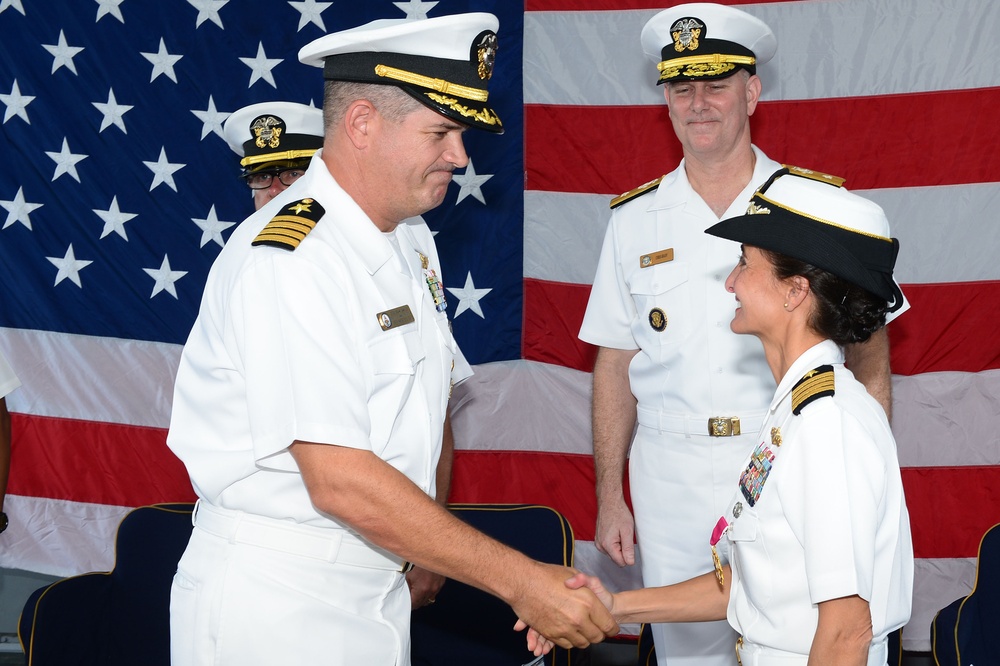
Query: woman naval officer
821,560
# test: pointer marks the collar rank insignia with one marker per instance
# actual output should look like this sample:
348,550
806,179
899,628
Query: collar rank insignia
817,383
637,192
287,229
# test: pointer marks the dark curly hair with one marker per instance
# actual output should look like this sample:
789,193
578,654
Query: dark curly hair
845,313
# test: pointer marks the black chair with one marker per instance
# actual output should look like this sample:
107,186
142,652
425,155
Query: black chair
467,626
115,618
962,633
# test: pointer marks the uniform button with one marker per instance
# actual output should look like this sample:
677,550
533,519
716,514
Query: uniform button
718,371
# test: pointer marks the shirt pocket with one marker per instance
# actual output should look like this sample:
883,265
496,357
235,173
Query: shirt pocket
750,555
394,356
662,297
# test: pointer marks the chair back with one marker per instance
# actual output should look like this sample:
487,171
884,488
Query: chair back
115,618
468,626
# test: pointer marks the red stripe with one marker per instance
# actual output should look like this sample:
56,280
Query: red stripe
950,507
874,142
553,313
950,326
101,463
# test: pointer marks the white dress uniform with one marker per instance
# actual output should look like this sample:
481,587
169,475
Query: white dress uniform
8,380
690,368
343,340
819,514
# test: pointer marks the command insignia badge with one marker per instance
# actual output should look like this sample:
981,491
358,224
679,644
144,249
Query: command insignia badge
658,319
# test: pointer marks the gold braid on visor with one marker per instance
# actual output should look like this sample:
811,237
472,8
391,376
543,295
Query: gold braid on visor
439,85
703,65
275,157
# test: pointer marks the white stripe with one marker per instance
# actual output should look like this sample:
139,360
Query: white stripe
113,380
937,582
59,538
523,406
943,419
825,50
946,233
563,234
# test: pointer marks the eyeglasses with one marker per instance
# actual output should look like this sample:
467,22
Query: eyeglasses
261,180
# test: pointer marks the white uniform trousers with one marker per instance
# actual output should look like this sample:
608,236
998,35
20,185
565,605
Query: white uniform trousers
680,485
238,600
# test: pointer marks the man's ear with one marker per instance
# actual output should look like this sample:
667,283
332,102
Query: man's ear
359,122
753,93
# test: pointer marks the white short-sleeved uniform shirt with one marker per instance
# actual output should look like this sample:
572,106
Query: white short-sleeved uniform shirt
336,342
695,364
8,380
819,516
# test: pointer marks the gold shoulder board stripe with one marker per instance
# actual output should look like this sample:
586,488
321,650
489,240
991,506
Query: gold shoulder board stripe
287,229
836,181
817,383
639,191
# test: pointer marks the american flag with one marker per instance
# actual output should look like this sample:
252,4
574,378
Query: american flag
117,192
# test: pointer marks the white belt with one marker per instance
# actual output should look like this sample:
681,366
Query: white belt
332,545
752,654
696,424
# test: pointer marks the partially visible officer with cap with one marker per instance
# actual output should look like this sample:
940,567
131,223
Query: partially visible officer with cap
658,313
311,394
275,141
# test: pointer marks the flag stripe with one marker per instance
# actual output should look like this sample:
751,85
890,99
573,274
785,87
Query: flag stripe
869,155
56,460
141,470
842,49
564,232
940,332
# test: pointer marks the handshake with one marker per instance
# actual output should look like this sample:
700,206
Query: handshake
578,615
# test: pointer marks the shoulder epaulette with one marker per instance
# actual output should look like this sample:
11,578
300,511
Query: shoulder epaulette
836,181
287,229
815,384
637,192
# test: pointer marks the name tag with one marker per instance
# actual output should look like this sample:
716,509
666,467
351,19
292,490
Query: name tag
395,317
663,256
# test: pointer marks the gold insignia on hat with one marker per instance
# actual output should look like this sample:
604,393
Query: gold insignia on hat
658,319
482,115
267,131
663,256
485,49
287,229
754,209
815,384
836,181
638,191
686,32
776,436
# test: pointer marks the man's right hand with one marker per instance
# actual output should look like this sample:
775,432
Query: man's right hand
568,617
615,535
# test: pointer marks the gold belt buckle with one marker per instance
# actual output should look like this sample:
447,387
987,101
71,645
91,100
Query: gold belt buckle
724,426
